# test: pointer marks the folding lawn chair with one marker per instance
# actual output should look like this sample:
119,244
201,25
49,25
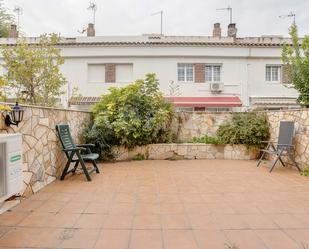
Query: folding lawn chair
284,146
76,153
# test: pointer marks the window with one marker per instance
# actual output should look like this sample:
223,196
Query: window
184,109
199,109
124,73
273,73
213,73
96,73
186,72
218,109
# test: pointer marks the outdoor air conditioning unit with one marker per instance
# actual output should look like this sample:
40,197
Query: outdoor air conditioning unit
216,87
11,177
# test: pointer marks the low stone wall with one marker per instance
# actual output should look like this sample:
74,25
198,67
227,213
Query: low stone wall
201,123
43,158
187,151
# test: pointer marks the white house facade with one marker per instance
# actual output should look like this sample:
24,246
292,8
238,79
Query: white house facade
196,73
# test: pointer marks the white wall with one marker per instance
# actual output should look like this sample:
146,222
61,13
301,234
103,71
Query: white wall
243,69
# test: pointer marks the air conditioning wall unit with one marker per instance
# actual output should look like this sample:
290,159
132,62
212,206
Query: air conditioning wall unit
11,175
216,87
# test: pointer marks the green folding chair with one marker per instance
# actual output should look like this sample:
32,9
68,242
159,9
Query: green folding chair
78,154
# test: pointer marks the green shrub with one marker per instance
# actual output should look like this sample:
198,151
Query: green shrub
139,157
206,140
133,115
245,128
305,172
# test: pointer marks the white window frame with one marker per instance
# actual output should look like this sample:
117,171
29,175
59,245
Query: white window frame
212,73
185,65
271,73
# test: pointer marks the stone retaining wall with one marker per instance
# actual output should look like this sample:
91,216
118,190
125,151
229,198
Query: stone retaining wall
200,123
187,151
197,124
43,158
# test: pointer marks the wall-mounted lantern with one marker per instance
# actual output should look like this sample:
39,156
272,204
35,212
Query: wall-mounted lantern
15,116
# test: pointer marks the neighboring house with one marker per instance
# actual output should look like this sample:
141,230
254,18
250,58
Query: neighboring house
212,73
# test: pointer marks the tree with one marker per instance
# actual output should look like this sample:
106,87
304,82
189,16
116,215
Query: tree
5,21
33,71
296,61
133,115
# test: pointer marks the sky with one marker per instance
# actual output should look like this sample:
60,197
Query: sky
181,17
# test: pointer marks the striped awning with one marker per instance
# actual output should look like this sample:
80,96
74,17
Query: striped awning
211,101
273,101
84,100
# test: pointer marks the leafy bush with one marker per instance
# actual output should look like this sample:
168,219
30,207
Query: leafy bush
305,172
245,128
206,140
139,157
133,115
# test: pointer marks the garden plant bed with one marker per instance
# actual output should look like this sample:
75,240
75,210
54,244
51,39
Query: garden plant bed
187,151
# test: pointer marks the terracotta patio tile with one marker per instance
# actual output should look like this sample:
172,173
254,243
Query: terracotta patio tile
287,221
179,239
276,239
118,222
175,221
113,239
50,220
12,218
146,238
245,239
87,221
79,238
51,206
74,207
301,236
150,221
97,208
258,221
31,237
208,238
230,221
202,221
172,208
147,208
122,208
28,206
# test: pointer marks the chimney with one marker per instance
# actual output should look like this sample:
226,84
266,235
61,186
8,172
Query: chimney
217,30
90,30
13,33
232,30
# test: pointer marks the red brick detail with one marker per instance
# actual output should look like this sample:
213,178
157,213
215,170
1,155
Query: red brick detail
110,73
199,72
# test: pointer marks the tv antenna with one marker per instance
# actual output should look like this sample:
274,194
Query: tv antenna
230,10
161,16
18,10
291,14
93,7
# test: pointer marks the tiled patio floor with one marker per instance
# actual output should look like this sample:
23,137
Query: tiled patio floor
201,204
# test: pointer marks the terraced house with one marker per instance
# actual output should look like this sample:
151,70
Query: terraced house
197,73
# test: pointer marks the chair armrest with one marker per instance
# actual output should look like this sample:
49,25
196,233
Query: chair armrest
85,145
290,145
74,149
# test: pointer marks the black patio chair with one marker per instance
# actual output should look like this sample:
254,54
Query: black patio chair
76,153
284,146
